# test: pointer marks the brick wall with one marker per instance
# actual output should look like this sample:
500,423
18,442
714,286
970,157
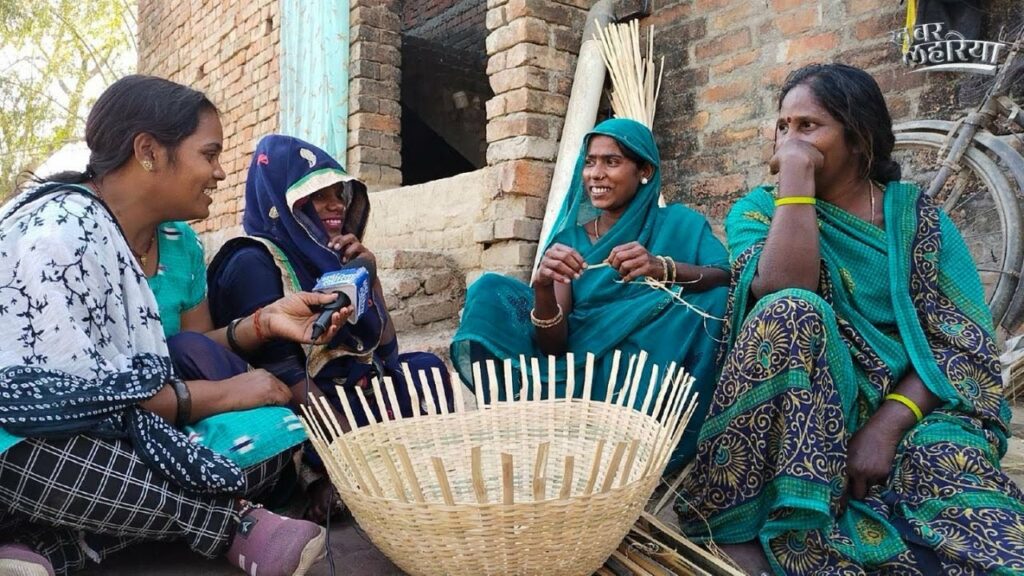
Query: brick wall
458,23
375,115
531,50
227,50
444,81
726,60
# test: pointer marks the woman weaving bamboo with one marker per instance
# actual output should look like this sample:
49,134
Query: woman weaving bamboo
611,215
859,421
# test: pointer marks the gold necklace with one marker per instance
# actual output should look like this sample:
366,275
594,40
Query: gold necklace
597,234
142,258
871,195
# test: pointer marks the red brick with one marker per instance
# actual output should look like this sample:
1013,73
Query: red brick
855,7
868,56
729,136
723,45
526,178
876,27
811,47
519,124
798,21
734,62
668,16
521,77
703,6
783,5
728,19
728,91
367,121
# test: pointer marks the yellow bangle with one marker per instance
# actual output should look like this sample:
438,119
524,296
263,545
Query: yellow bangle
788,200
906,402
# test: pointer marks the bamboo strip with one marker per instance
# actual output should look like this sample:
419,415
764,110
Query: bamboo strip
410,473
613,378
393,475
371,478
570,376
410,386
492,385
396,408
634,446
595,467
540,472
460,398
479,485
370,417
634,568
632,549
442,480
442,396
524,386
508,489
552,371
478,382
385,415
330,423
507,373
613,467
707,561
535,371
567,477
321,442
428,394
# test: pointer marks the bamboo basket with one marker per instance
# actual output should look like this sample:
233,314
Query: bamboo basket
524,484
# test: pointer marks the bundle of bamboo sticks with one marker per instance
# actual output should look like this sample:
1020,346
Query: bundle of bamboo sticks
634,86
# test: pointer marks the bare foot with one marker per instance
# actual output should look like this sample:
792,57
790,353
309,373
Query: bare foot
749,556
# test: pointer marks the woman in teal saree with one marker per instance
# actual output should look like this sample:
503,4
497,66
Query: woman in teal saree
859,420
611,214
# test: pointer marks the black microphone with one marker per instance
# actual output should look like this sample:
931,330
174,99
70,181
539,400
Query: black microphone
352,283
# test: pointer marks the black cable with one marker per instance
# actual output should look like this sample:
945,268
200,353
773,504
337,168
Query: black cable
330,498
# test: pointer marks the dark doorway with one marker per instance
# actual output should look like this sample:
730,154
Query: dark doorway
444,89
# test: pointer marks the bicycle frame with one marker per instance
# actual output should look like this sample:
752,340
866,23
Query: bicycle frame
996,103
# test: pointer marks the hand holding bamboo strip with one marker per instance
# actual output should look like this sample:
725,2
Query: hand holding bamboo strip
534,481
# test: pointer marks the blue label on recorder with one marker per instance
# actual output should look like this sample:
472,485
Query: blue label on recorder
354,283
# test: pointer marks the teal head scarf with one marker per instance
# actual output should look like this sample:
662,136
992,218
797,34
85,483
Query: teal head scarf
577,208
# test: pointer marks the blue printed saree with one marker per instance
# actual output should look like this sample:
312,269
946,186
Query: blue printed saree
805,370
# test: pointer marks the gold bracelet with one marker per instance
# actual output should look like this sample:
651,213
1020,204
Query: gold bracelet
664,268
548,322
906,402
790,200
671,269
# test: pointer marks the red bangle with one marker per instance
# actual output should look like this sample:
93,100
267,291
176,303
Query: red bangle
256,325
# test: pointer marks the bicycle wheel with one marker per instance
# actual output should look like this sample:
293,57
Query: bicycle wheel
982,203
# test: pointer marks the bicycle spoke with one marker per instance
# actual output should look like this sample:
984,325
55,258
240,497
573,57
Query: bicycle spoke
999,271
982,235
964,225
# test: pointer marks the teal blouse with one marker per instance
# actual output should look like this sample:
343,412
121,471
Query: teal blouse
180,280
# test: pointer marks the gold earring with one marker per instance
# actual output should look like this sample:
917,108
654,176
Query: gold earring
147,165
